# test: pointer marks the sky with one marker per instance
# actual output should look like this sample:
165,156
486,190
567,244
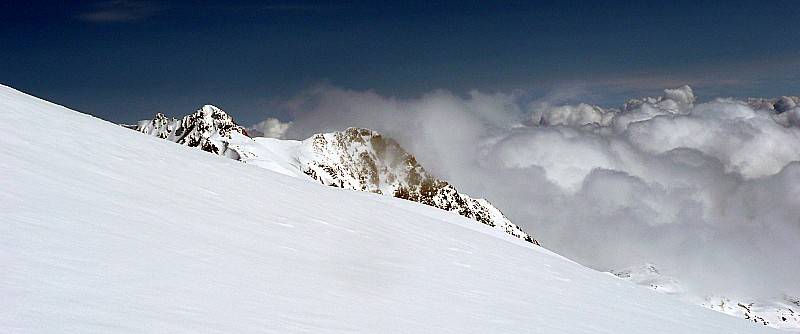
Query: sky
125,60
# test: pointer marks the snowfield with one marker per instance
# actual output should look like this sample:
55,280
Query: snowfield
103,229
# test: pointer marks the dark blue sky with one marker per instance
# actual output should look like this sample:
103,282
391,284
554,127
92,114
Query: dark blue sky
125,60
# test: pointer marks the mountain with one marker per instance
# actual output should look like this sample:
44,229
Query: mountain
782,313
357,159
134,234
364,160
207,128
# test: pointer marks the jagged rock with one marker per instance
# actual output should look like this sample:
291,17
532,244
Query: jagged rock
207,128
362,159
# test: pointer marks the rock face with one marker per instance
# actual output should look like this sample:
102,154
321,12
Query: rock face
357,159
362,159
207,129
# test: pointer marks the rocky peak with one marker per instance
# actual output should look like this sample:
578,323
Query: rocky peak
207,128
362,159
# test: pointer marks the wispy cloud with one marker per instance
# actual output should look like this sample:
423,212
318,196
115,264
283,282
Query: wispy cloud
120,11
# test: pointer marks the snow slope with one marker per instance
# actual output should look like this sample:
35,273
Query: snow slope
130,233
362,159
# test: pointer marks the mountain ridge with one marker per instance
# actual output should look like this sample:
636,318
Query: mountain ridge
357,159
206,128
379,165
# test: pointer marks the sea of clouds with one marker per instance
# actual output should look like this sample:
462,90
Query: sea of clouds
709,192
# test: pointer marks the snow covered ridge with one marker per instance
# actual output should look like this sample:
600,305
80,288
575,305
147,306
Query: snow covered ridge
782,313
208,129
357,159
362,159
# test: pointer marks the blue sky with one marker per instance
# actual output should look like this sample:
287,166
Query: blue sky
125,60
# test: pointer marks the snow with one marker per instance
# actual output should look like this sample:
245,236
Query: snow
108,230
776,312
361,159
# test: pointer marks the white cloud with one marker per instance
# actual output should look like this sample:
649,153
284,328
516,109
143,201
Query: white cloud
270,128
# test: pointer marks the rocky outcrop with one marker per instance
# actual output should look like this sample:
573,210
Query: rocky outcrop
362,159
207,128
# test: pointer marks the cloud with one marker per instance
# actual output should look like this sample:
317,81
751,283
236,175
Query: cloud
709,191
270,128
120,11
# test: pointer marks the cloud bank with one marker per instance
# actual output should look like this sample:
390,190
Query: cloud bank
709,192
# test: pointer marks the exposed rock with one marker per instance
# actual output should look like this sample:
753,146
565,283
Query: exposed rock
364,160
207,128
